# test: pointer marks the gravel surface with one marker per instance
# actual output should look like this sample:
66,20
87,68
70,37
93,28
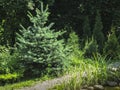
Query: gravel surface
48,84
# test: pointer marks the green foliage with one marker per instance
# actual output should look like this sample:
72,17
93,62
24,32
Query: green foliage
24,83
101,74
112,46
9,78
73,42
8,66
5,59
8,62
39,47
88,72
86,28
76,52
97,31
13,16
118,34
1,27
16,14
1,30
63,13
90,48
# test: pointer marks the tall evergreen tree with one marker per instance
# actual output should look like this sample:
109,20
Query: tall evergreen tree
39,47
112,46
97,31
86,28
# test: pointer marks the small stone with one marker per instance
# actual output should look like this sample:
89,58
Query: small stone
84,87
98,87
112,83
90,88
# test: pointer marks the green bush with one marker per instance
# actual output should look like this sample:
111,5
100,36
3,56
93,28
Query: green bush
9,78
112,46
73,42
9,69
5,59
8,62
39,47
90,48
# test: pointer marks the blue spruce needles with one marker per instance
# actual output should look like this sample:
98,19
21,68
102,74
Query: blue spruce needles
39,47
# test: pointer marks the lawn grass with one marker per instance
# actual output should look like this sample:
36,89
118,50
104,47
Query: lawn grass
25,83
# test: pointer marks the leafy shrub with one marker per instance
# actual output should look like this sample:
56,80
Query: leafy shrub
112,46
90,48
73,42
8,66
8,63
5,58
9,78
39,47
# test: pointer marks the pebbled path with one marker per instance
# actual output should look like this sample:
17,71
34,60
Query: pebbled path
48,84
